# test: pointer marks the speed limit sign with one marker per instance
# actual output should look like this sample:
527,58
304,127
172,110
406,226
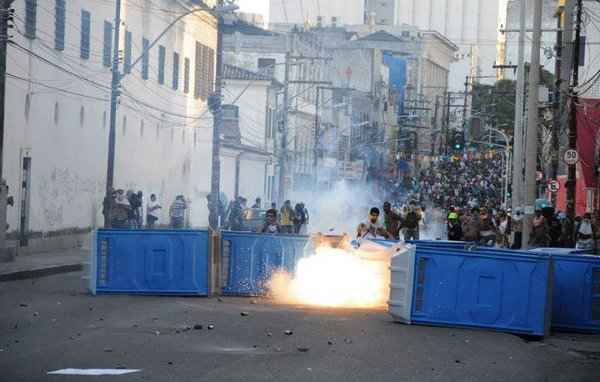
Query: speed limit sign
553,186
571,157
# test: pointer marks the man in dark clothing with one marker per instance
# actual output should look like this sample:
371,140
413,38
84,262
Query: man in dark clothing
454,227
411,224
471,226
392,221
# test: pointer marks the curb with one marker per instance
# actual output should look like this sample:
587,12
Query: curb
41,272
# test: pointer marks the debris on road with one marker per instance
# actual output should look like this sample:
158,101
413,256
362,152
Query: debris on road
23,305
347,340
157,333
269,334
108,350
303,349
330,342
198,327
210,327
288,332
219,299
244,314
253,302
35,314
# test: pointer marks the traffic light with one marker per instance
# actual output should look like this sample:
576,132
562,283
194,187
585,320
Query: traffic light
458,141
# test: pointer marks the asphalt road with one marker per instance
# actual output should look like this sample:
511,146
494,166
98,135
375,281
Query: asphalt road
52,323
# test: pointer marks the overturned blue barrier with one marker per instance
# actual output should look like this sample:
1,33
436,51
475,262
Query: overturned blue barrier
248,260
576,283
576,298
468,287
150,262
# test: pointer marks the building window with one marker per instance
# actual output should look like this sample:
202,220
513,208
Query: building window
161,64
106,55
82,116
86,21
175,71
56,111
203,71
59,25
186,75
127,58
30,18
145,59
266,66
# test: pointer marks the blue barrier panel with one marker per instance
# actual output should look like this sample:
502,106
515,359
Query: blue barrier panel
152,262
506,292
576,286
576,298
249,259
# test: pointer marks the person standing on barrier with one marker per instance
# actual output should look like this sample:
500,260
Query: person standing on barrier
152,211
392,221
372,229
177,212
471,226
454,227
120,211
411,223
287,218
271,226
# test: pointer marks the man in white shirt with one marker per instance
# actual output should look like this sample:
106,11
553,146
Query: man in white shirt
152,211
372,229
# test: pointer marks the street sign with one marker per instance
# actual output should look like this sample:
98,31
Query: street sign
554,186
571,157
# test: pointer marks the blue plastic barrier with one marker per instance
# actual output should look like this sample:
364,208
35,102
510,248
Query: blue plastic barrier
576,300
151,262
576,283
505,292
249,259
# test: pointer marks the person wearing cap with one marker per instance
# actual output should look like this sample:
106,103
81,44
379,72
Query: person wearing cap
454,227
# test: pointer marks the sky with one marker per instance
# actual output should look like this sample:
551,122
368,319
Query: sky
254,6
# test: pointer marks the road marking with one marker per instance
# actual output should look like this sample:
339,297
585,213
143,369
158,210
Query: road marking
93,371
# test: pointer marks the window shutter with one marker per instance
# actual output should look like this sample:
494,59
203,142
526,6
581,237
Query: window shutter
186,75
59,25
175,71
106,52
161,64
85,34
127,58
30,18
145,59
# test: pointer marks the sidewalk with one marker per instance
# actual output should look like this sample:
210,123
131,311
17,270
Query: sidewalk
44,264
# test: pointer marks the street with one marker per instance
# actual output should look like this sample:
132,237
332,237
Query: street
52,323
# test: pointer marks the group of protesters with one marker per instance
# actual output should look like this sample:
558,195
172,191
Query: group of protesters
128,211
288,220
504,228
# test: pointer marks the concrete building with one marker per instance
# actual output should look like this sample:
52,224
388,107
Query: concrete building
57,110
248,158
251,48
310,13
510,46
470,24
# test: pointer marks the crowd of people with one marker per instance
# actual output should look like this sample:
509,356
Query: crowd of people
504,229
127,211
464,182
405,224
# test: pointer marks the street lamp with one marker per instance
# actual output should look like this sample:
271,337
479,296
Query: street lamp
117,77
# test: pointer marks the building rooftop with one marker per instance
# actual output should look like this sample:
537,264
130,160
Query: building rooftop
243,27
231,72
381,36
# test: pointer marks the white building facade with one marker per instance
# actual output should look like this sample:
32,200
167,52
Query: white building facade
58,108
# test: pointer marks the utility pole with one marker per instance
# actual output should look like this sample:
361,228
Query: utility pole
114,96
517,182
215,105
556,104
532,124
434,128
572,175
316,138
464,124
5,16
447,138
284,133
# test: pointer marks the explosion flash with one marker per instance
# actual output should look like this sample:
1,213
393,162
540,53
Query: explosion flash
337,278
